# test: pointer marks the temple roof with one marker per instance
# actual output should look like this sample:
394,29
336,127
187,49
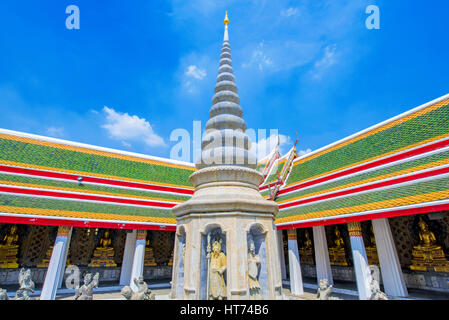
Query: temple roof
53,178
398,167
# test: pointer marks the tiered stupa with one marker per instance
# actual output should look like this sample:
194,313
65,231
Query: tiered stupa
225,246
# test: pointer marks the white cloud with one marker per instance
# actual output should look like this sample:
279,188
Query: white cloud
264,147
329,59
55,132
304,152
195,72
122,126
289,12
126,144
192,73
280,55
259,59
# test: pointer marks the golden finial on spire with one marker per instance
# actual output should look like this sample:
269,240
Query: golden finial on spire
226,20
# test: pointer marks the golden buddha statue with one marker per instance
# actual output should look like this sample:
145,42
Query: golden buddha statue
9,249
427,254
170,262
337,253
149,260
306,252
104,253
371,250
46,261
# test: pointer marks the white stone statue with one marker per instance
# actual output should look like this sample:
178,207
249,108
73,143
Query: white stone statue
376,294
85,292
324,290
3,294
217,267
142,293
26,285
253,271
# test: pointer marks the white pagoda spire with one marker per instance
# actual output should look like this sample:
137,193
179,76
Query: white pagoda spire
226,142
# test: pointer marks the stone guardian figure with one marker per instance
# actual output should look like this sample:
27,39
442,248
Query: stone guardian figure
217,286
85,292
26,285
142,293
253,271
324,290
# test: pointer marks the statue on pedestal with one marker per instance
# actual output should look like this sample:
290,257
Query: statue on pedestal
104,253
26,285
253,271
337,253
306,252
427,254
324,290
142,293
149,260
217,267
9,249
85,292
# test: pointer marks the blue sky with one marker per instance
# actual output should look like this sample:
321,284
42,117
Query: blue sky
135,71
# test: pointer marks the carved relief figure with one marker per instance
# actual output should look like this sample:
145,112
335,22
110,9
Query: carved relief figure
253,271
217,286
85,292
26,285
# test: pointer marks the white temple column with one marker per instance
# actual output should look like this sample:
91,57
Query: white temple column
361,267
323,266
392,277
280,241
139,255
296,286
57,264
66,253
128,258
